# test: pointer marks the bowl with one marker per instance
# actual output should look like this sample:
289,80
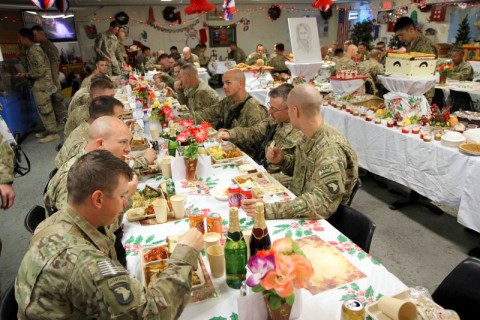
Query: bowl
452,139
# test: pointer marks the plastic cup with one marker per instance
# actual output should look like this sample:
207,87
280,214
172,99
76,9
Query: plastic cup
397,309
161,210
210,239
216,259
165,166
178,205
154,133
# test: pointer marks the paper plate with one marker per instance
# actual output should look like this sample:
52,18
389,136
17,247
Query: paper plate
220,193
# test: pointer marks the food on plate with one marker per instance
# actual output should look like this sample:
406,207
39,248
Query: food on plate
260,62
153,270
149,210
224,152
172,242
247,168
157,253
145,197
135,213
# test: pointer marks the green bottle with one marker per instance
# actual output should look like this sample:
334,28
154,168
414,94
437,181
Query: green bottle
235,252
142,71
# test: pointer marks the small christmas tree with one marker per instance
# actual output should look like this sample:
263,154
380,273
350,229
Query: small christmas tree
463,33
362,32
395,43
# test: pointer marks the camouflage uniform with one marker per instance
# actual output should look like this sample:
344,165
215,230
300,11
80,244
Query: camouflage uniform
463,72
370,68
204,59
86,83
150,64
278,63
141,59
364,56
78,116
325,171
193,59
80,98
253,57
6,162
345,63
70,272
43,86
199,98
75,142
57,98
106,46
238,55
423,44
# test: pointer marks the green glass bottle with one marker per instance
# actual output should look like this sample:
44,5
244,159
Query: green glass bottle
142,70
235,252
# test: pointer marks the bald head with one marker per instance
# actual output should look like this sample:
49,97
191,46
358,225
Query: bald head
236,75
111,134
352,50
306,98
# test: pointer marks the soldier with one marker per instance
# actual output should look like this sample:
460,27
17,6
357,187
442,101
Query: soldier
106,46
99,107
363,52
173,49
189,57
463,70
100,87
380,45
278,61
105,133
143,58
202,57
325,168
236,54
43,87
237,109
405,30
164,63
324,53
275,128
193,92
258,54
347,62
101,68
54,57
7,192
70,270
372,66
121,53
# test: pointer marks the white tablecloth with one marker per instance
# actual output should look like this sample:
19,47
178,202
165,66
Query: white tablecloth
220,67
440,173
410,86
473,88
325,305
344,87
476,69
204,76
306,70
257,79
261,95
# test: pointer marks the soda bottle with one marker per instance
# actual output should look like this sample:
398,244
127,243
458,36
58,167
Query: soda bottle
260,239
235,252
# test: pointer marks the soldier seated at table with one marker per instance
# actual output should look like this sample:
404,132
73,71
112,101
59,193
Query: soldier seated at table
325,167
237,109
237,54
99,107
275,128
70,270
279,59
190,57
372,66
101,67
200,50
363,52
145,60
258,54
348,61
463,70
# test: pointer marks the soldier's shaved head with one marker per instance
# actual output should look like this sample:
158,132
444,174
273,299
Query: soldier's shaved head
109,133
307,98
236,75
106,126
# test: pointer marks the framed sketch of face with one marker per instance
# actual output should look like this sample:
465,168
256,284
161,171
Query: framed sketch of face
305,40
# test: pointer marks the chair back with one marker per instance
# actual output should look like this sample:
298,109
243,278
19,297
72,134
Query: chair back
33,218
355,225
370,87
357,186
9,306
439,98
461,100
459,290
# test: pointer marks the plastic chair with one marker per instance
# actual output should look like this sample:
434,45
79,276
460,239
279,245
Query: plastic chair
33,218
459,290
355,225
9,306
461,100
358,185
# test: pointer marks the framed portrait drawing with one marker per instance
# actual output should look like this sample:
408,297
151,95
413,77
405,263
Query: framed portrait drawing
305,40
222,36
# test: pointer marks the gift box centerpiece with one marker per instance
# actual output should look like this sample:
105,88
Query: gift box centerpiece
412,64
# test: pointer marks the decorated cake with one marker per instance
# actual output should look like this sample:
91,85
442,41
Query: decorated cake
411,64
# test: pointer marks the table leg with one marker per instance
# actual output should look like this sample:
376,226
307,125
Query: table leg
415,198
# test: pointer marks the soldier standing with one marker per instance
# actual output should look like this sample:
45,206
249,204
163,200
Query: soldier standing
7,192
40,73
106,46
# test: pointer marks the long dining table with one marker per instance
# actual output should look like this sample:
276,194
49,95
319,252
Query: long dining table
342,269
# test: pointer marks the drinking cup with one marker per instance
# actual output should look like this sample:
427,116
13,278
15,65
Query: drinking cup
210,239
161,210
178,205
216,259
397,309
165,166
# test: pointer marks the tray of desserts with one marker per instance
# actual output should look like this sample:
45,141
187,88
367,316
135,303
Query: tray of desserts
261,183
226,152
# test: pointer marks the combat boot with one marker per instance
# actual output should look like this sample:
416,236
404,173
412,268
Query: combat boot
50,138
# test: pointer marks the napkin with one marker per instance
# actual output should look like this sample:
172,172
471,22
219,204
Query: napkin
204,167
252,306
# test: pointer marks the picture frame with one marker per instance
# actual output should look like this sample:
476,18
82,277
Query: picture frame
222,36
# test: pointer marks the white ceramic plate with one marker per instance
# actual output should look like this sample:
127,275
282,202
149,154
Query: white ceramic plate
220,193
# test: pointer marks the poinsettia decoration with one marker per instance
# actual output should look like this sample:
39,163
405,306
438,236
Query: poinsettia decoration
144,92
440,117
193,135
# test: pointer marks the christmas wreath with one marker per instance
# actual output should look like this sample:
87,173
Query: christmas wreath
274,12
122,18
169,14
326,14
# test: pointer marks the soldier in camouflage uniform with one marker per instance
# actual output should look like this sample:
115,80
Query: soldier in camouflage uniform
202,57
108,133
77,140
347,62
143,58
101,67
189,57
258,54
195,93
363,52
237,54
463,70
372,66
43,87
54,57
71,271
325,168
121,53
7,193
275,128
100,87
237,109
279,59
106,46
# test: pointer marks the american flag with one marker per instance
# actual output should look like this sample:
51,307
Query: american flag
343,27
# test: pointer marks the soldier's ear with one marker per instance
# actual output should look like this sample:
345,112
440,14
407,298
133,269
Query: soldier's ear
97,199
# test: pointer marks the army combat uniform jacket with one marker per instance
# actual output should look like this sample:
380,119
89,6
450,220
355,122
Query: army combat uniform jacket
278,63
463,72
70,272
325,171
73,144
370,68
199,98
238,55
6,162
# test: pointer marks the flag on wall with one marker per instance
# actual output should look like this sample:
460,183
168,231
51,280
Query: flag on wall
343,27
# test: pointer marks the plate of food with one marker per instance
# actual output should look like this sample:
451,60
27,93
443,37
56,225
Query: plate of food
140,213
151,169
226,152
260,183
470,148
220,193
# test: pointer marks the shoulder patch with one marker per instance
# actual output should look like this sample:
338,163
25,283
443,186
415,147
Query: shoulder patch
332,186
121,290
109,268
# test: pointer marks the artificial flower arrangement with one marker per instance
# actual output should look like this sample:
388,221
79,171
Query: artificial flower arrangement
445,69
144,92
161,112
440,117
276,272
193,135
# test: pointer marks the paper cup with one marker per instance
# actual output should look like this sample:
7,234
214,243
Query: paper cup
397,309
178,205
165,166
154,133
161,210
210,239
247,235
216,259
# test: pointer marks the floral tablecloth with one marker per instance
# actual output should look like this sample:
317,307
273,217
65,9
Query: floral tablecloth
374,281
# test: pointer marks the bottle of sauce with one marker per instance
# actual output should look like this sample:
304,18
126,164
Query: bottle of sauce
235,252
260,239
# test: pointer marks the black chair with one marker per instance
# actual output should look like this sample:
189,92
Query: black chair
52,173
355,225
34,217
459,290
461,100
439,98
9,306
358,185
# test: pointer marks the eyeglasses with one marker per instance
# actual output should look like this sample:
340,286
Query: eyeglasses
274,110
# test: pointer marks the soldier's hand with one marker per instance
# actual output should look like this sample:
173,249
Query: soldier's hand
170,92
177,85
275,155
151,155
132,185
192,238
222,135
8,195
248,205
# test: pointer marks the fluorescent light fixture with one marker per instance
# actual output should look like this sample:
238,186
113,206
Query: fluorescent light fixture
69,16
32,12
165,0
53,17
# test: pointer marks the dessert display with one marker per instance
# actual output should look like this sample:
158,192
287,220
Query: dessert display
470,148
245,67
411,64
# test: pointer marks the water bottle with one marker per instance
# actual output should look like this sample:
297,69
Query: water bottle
175,109
146,123
138,113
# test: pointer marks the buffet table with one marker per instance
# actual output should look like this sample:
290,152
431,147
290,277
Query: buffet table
437,172
352,272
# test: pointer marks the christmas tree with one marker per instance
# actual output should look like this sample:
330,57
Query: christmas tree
362,32
463,33
395,43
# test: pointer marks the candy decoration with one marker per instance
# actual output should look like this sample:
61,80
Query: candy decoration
62,5
43,4
199,6
228,9
325,4
151,17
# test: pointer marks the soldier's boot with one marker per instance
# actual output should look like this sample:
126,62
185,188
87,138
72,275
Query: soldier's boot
41,135
51,137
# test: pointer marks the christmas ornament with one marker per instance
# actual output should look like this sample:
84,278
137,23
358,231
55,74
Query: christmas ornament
151,17
43,4
324,4
228,9
326,13
169,14
91,31
198,6
62,5
122,18
203,35
274,12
